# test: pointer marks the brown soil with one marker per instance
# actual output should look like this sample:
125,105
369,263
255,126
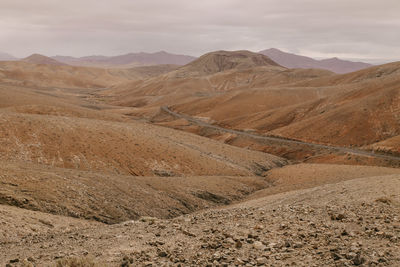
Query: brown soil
78,142
312,227
116,198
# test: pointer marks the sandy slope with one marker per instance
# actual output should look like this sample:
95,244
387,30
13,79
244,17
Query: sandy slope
128,148
355,109
116,198
32,73
353,222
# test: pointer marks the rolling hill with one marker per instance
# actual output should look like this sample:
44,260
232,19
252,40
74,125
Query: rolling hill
355,109
211,75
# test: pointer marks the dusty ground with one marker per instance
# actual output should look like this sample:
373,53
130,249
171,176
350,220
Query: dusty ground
311,227
76,142
112,198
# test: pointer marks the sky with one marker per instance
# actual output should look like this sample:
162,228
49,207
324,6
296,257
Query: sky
366,30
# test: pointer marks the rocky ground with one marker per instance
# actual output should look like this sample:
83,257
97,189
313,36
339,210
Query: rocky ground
350,223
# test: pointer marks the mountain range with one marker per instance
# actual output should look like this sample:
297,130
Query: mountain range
293,61
284,59
131,59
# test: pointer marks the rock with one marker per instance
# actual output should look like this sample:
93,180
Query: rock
335,256
162,254
338,217
297,245
238,244
261,261
188,233
148,219
358,259
259,245
14,260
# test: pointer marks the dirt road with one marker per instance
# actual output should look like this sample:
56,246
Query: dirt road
335,149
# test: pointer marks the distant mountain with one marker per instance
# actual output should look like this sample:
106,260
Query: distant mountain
218,61
131,59
6,57
295,61
40,59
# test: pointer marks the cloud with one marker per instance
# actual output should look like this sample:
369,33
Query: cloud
364,29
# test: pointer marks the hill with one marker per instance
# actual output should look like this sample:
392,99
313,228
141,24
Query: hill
127,60
40,59
358,109
78,147
209,76
65,76
295,61
219,61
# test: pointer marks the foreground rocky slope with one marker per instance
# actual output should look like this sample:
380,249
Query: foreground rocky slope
350,223
112,198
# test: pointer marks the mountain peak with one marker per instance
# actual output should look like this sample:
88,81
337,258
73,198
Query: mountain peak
218,61
41,59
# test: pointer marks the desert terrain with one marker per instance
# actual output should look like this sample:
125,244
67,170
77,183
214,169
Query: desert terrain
229,160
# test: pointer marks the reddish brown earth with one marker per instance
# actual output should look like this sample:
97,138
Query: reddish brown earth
350,223
84,143
357,109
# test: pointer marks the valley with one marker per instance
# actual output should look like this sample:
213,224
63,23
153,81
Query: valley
228,160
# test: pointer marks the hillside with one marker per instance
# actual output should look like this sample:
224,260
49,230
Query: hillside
46,74
81,149
207,77
336,65
359,108
358,219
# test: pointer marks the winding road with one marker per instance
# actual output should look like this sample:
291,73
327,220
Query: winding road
277,139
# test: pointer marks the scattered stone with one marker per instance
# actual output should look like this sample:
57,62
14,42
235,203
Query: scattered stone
358,259
259,245
162,254
261,261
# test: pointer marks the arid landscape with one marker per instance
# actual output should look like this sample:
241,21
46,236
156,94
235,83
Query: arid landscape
199,133
228,160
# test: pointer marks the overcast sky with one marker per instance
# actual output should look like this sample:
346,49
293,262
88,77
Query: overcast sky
368,30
